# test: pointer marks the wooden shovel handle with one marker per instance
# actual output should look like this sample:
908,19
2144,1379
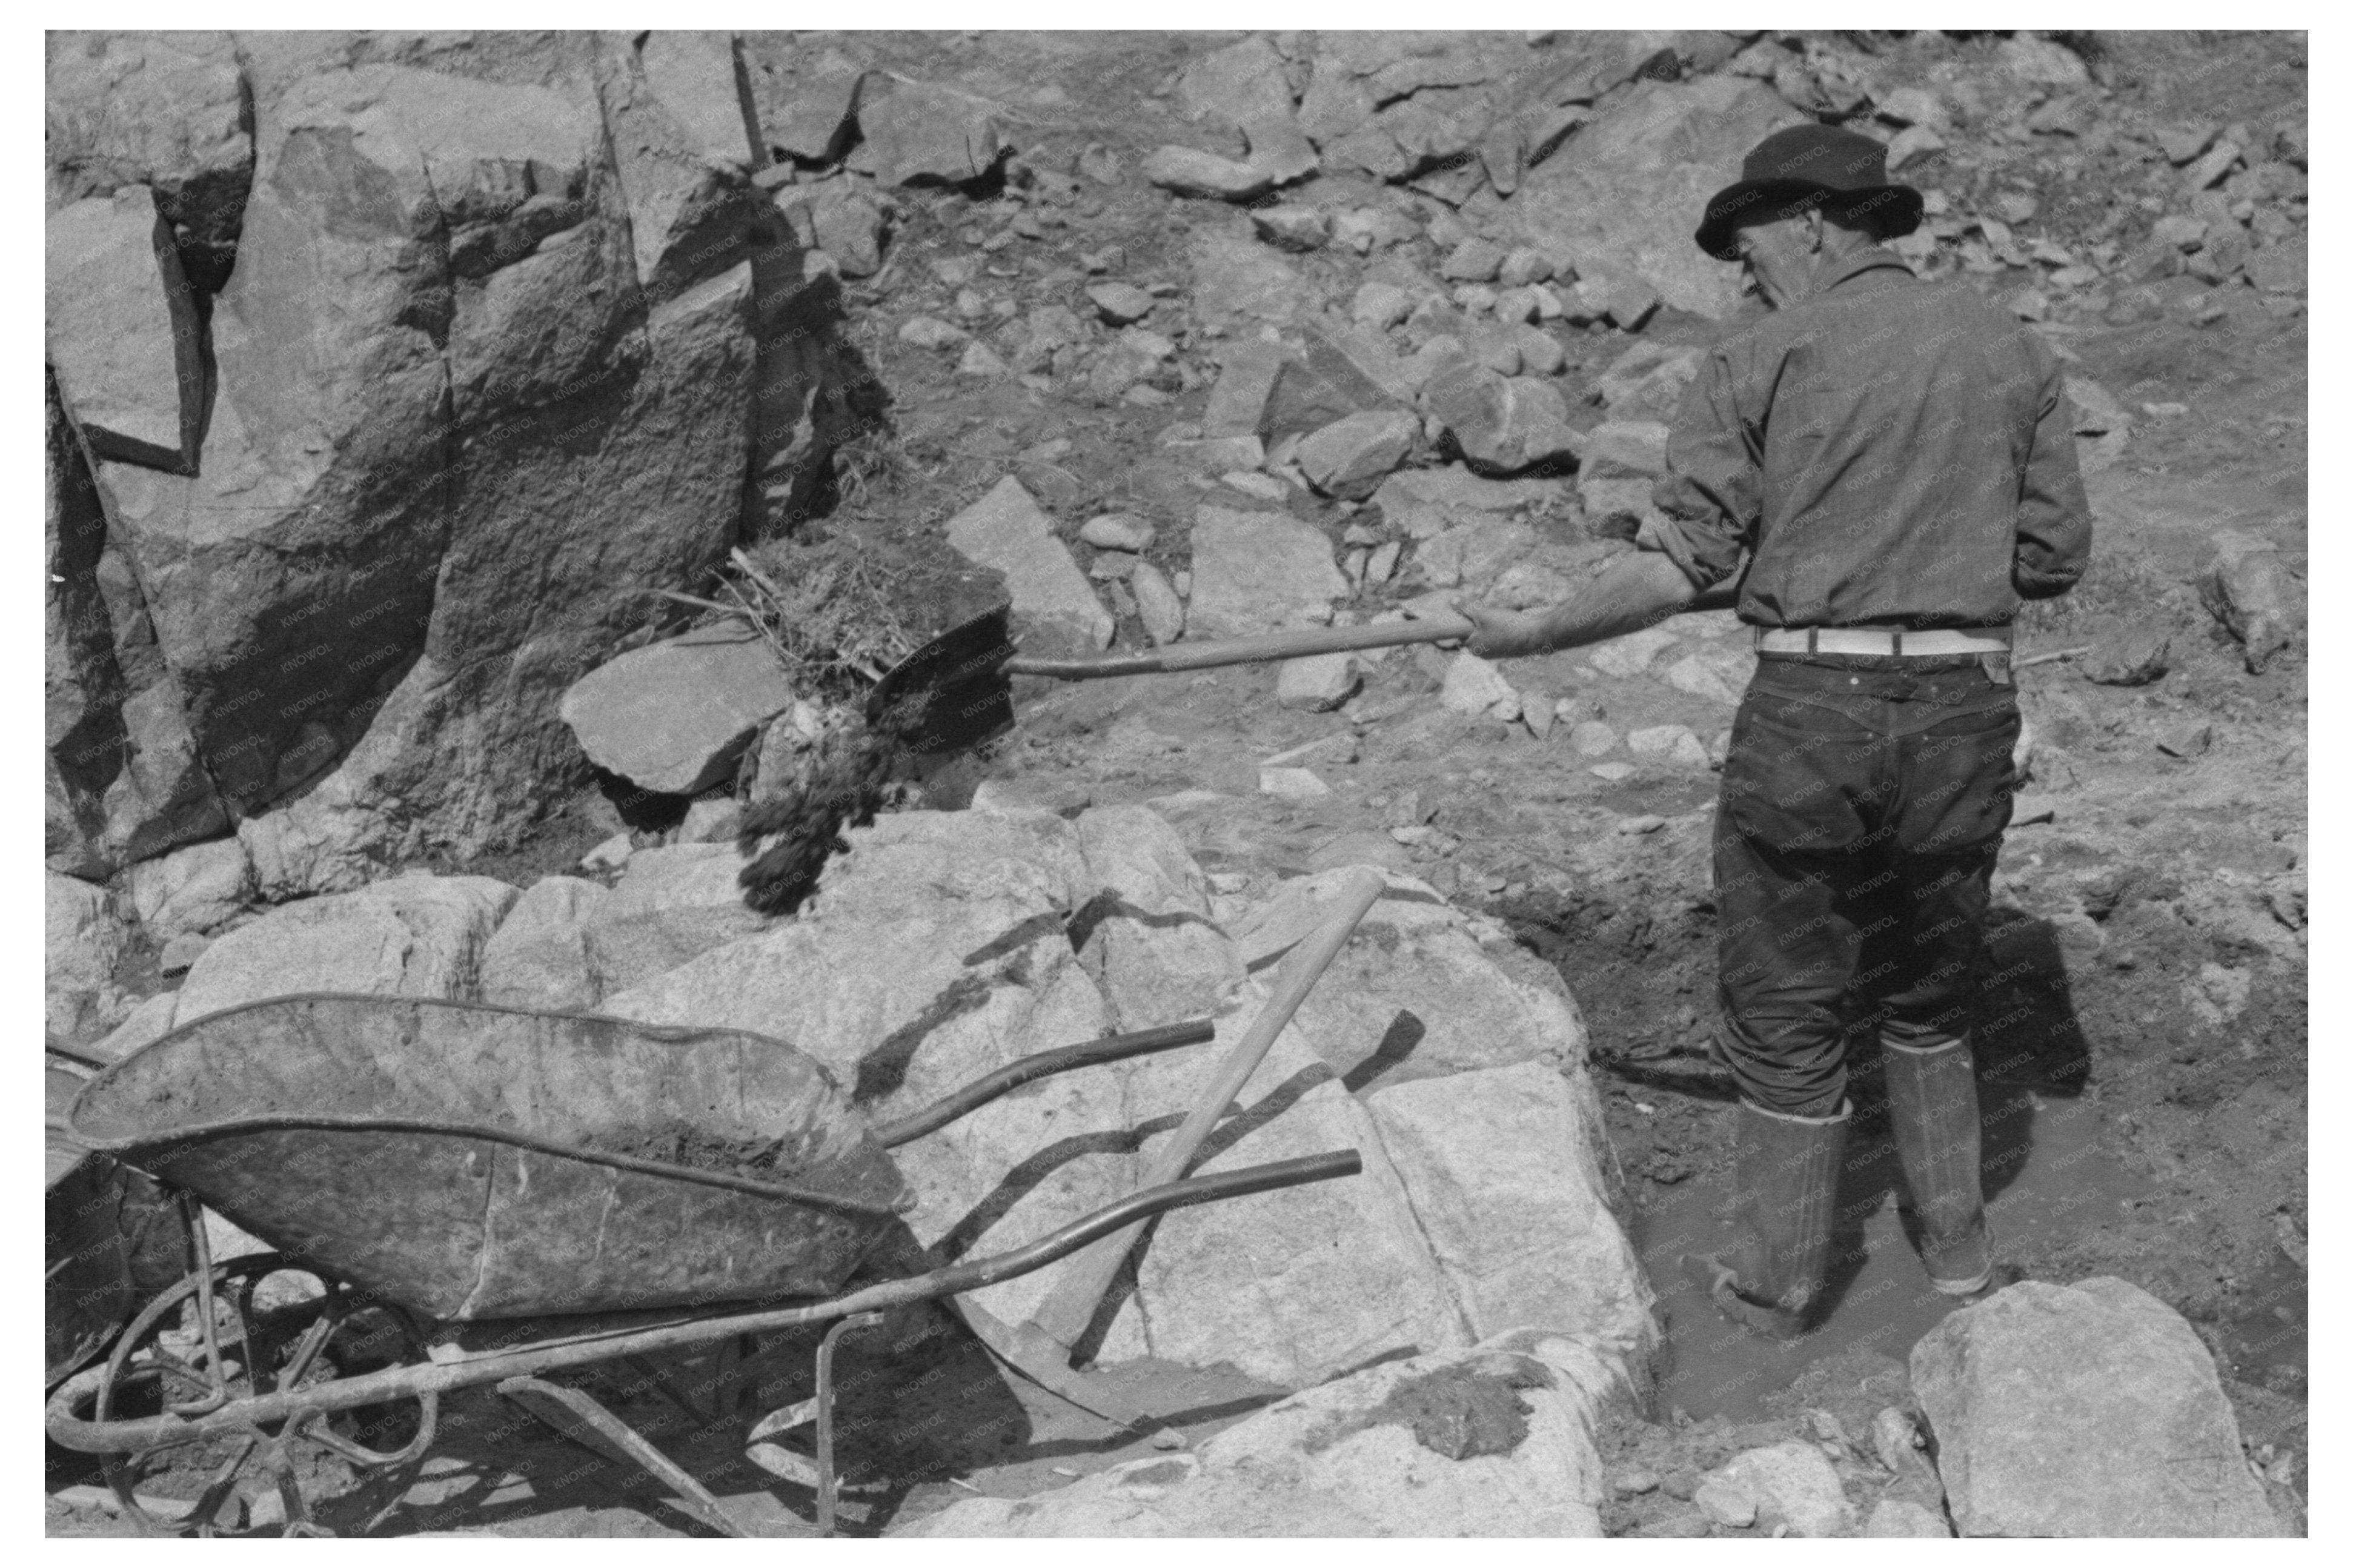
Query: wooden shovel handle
1297,644
1070,1305
1271,645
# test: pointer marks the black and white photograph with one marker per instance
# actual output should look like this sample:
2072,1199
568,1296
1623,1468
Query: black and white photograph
1087,782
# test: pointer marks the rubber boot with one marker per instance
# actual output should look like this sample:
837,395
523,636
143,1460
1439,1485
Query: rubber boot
1786,1197
1932,1108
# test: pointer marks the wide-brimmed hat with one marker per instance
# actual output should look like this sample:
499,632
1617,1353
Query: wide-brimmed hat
1810,165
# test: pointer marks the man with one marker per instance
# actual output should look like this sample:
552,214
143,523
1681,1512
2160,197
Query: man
1883,469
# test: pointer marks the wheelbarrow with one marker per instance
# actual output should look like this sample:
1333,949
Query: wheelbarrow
481,1196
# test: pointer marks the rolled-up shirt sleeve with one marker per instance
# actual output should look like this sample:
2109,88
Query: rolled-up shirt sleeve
1709,500
2054,522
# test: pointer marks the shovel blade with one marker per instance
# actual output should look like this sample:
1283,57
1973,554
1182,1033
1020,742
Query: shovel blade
952,693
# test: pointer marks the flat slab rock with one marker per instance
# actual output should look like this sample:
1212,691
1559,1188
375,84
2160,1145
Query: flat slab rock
675,716
2083,1410
1006,531
1489,1441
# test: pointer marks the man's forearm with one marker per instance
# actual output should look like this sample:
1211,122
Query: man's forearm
1638,590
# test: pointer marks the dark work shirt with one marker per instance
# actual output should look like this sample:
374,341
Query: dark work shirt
1886,451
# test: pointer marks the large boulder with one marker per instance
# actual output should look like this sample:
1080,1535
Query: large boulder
1148,938
934,953
1292,1286
538,957
122,780
2103,1376
1504,1168
83,939
487,371
1255,571
122,331
942,946
1500,424
925,133
1626,191
412,934
195,889
168,111
670,905
1495,1440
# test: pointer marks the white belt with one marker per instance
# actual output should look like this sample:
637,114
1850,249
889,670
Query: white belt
1882,640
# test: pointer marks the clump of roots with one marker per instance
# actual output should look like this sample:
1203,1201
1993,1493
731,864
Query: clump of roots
850,773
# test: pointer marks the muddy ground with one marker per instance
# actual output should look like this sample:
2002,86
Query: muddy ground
2143,1030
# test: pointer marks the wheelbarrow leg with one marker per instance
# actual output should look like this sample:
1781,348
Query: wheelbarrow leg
781,1461
590,1424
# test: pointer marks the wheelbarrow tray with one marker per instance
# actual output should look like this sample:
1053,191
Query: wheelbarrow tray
471,1162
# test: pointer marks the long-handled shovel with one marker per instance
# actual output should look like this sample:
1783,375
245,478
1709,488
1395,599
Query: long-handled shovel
956,690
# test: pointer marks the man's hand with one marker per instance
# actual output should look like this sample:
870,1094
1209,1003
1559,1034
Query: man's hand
1502,633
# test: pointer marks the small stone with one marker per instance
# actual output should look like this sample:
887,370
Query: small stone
1523,267
2209,169
1265,486
1291,784
1117,531
1475,261
1351,456
1646,823
931,333
1724,1503
2186,740
1611,772
1634,1483
1191,171
182,951
2245,588
1101,165
1112,566
1291,228
1536,713
1317,683
2181,233
1913,143
1592,738
1157,604
1895,1519
608,855
1894,1438
1119,303
980,363
1475,686
708,823
1380,306
1673,742
2130,656
2182,142
1912,106
1794,1482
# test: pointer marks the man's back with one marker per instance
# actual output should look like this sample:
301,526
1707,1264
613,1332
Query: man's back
1889,450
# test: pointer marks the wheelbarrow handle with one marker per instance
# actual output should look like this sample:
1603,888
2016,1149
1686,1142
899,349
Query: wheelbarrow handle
1045,1064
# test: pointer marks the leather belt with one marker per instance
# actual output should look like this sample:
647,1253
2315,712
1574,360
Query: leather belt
1885,640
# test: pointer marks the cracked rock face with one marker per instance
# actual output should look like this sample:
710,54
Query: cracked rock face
422,356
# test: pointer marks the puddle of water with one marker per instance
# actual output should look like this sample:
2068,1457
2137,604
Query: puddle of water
2045,1178
2269,1342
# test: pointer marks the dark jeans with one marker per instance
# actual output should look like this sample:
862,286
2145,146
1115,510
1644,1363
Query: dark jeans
1863,803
